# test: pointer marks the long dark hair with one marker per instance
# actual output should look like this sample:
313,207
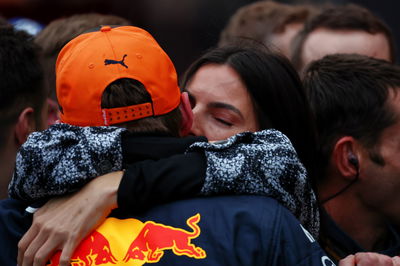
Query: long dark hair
276,91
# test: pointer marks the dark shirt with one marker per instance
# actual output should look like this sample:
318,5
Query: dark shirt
14,222
339,245
158,166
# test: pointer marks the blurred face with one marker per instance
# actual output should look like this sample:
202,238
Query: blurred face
221,104
284,39
381,184
323,41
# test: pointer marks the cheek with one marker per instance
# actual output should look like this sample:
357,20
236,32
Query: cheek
214,132
380,187
249,124
220,134
252,124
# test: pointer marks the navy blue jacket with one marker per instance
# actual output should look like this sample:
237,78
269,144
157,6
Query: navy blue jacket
14,222
228,230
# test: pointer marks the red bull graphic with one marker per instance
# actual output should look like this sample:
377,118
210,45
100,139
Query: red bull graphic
132,242
154,238
93,250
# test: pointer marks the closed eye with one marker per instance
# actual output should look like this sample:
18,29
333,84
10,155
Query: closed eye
223,122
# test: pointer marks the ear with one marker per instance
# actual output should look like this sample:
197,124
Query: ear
345,149
25,125
187,114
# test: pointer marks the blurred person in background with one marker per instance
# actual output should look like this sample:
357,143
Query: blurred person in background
342,29
356,102
22,95
268,22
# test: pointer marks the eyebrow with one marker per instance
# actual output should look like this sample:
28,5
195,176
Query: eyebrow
225,106
218,105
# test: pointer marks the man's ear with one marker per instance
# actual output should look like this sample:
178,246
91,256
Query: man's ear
187,114
25,125
345,158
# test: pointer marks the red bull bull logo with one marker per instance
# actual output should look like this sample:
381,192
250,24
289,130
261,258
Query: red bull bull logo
131,242
93,250
154,238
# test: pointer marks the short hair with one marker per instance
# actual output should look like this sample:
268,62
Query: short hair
60,31
126,92
341,17
259,20
349,96
21,78
275,89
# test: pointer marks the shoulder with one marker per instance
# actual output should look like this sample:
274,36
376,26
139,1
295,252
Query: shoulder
233,230
223,230
14,222
13,216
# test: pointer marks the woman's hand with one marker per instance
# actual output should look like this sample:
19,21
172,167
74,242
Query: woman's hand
63,222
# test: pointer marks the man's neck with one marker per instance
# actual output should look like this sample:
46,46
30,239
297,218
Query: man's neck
368,228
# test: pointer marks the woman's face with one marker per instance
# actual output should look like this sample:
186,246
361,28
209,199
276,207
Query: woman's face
221,104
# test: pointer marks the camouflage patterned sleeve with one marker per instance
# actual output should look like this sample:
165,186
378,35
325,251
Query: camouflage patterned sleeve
62,159
261,163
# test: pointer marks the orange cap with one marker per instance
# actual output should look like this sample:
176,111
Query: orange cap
91,61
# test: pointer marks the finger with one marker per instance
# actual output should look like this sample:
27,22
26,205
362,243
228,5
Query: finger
396,261
66,253
23,244
28,256
348,261
372,259
44,253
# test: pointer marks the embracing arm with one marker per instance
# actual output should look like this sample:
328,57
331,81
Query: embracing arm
262,163
148,183
62,159
63,222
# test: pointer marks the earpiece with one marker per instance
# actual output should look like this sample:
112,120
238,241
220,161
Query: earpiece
353,160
